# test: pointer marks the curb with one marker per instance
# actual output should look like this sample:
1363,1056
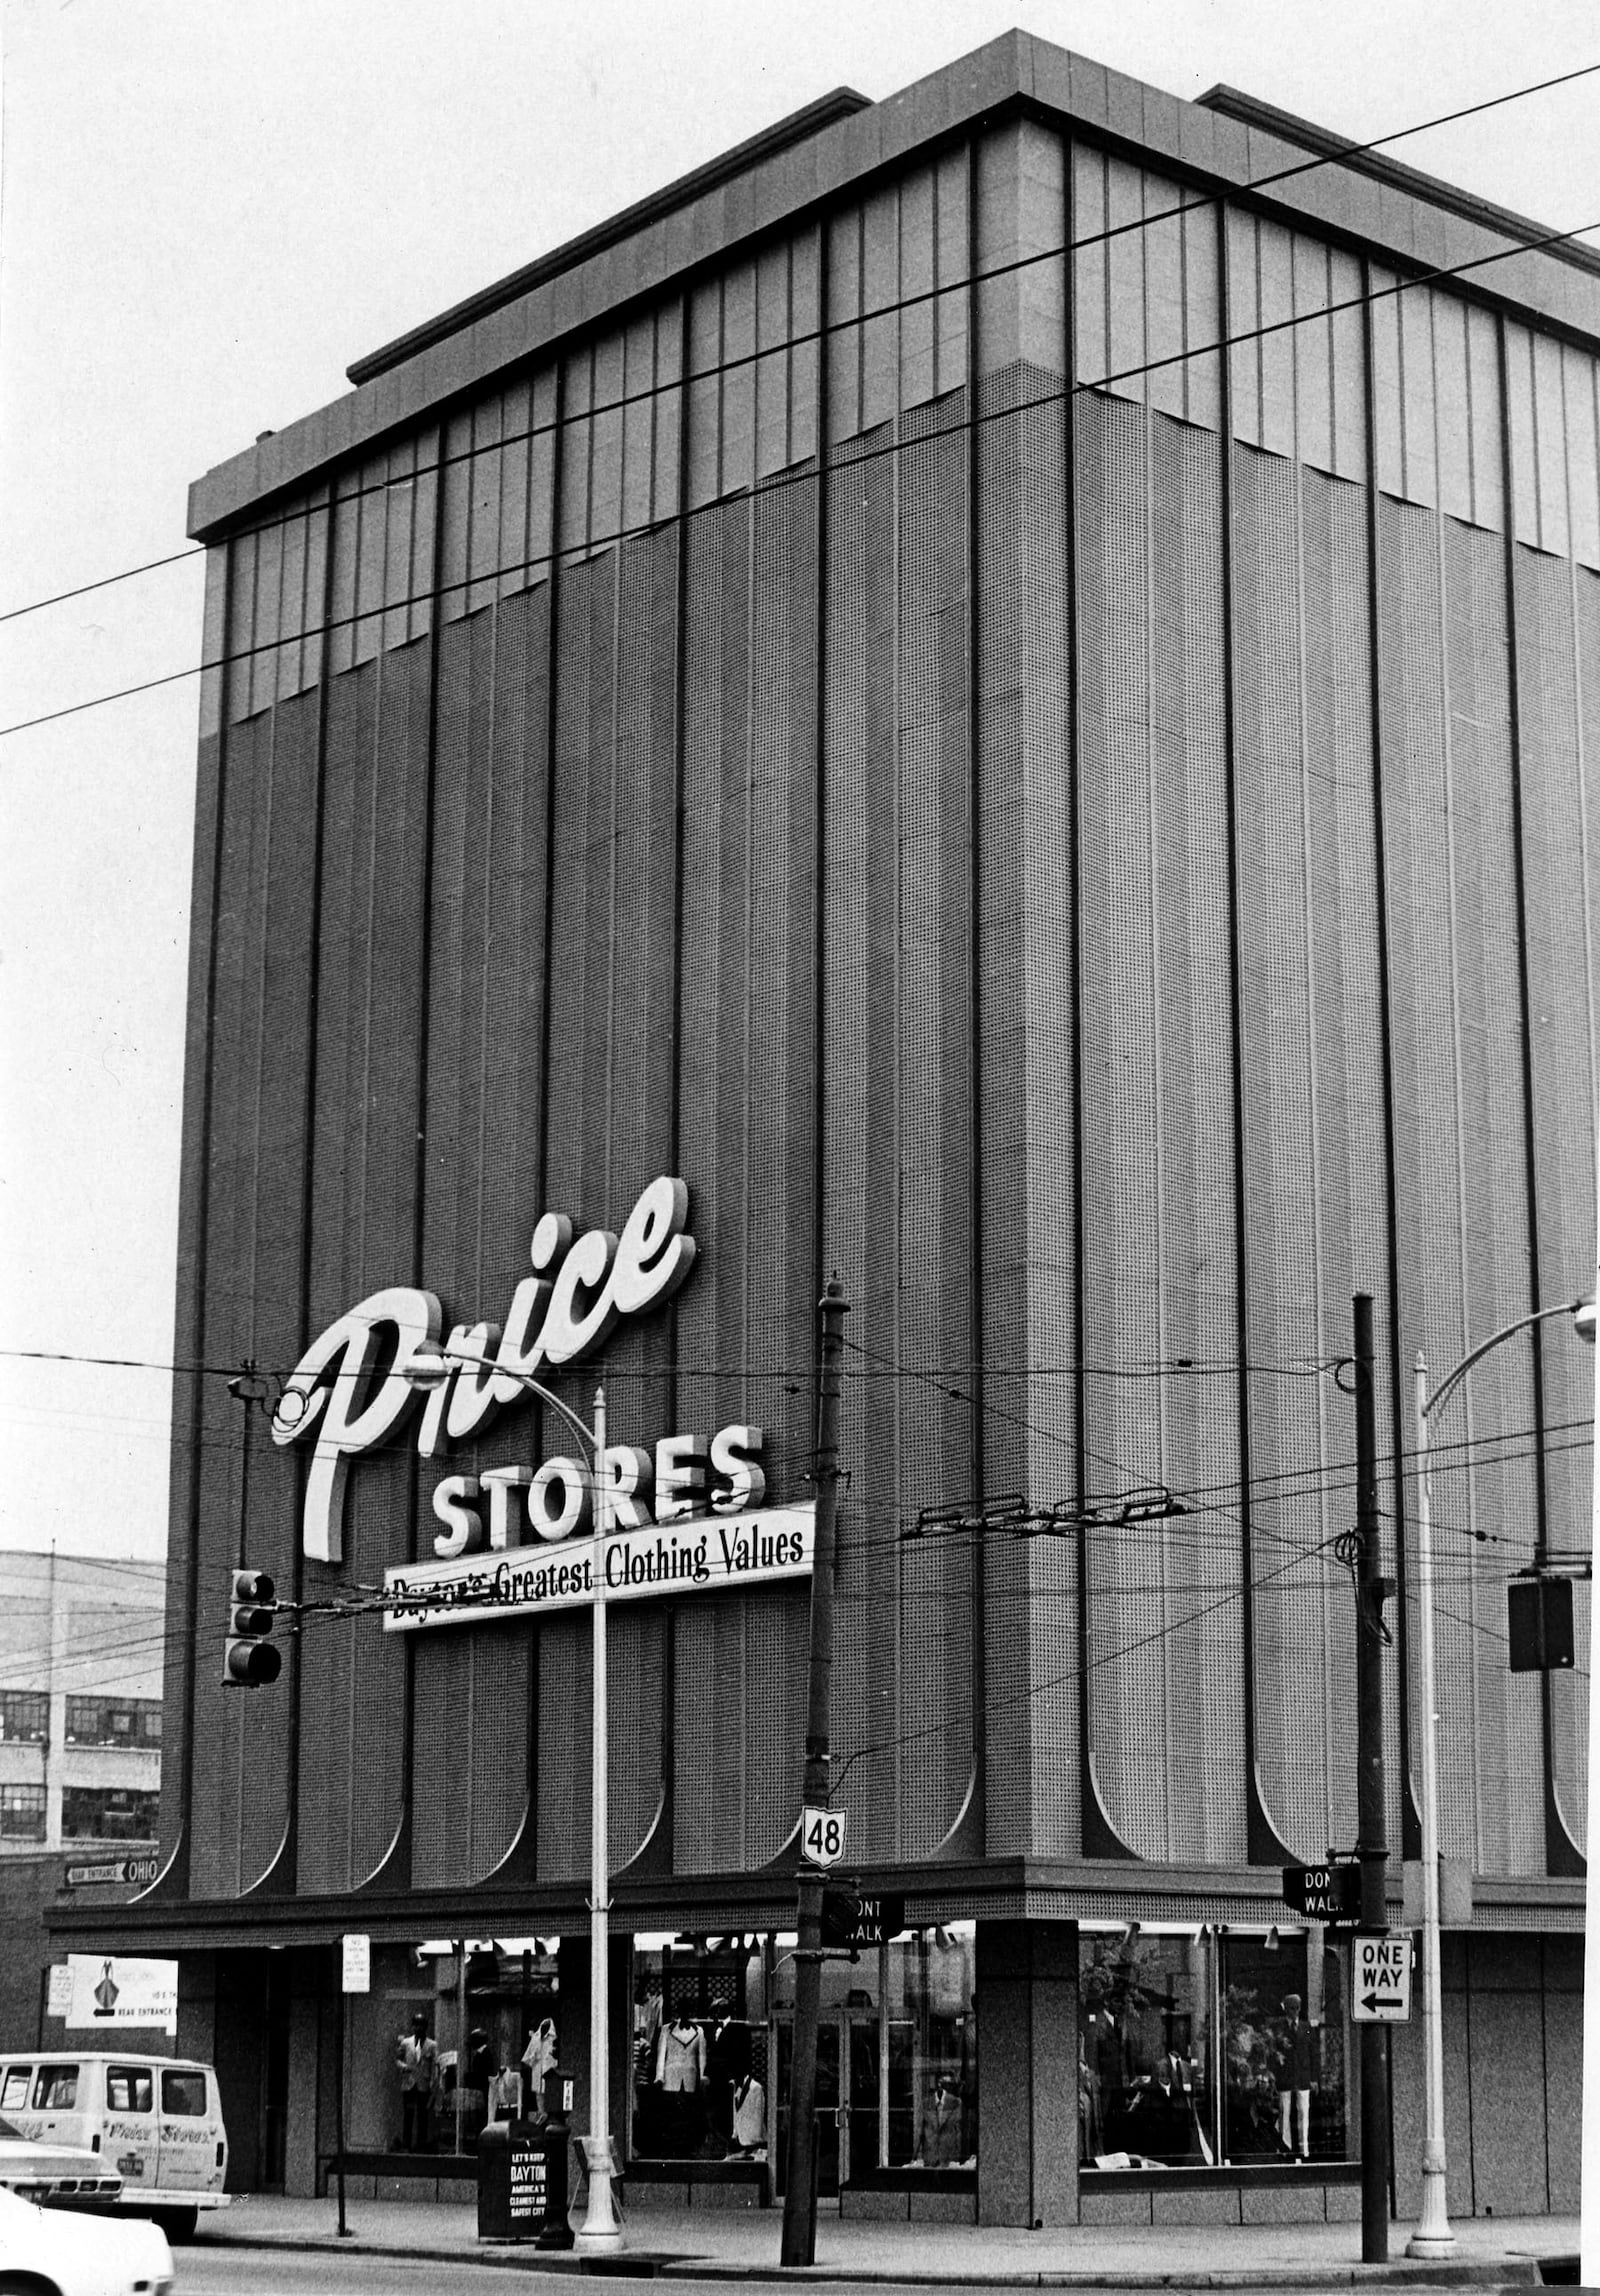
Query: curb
1519,2271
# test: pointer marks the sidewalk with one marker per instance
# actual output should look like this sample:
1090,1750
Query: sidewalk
743,2244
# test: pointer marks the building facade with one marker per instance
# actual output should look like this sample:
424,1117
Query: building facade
81,1664
1002,685
82,1640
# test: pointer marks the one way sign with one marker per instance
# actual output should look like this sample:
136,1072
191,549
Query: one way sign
1380,1980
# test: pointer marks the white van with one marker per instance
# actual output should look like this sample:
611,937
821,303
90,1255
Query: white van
156,2120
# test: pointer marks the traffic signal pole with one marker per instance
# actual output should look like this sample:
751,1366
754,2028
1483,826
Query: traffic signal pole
1372,1836
799,2246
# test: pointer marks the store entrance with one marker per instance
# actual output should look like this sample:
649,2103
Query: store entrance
848,2056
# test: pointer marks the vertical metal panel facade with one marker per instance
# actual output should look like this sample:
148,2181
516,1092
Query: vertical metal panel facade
1021,809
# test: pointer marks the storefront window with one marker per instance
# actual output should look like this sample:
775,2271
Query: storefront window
1146,2056
450,2041
1208,2047
700,2048
897,2065
1286,2040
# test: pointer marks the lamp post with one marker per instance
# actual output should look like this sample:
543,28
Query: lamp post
600,2233
1433,2236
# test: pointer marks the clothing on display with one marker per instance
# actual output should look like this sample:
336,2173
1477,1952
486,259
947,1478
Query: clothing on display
940,2145
540,2054
681,2057
505,2094
749,2113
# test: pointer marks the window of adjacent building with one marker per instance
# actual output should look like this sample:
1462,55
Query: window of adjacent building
113,1722
22,1813
107,1813
184,2095
129,2089
56,2090
24,1717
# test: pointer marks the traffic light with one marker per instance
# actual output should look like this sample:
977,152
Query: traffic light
1539,1624
249,1659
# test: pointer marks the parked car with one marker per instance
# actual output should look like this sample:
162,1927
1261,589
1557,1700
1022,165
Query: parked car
56,2252
155,2121
51,2172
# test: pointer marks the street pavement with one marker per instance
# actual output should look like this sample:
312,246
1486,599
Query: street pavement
718,2245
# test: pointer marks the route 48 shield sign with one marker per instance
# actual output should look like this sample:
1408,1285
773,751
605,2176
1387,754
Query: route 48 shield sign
1380,1980
821,1836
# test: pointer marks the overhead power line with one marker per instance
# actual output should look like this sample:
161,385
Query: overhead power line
802,338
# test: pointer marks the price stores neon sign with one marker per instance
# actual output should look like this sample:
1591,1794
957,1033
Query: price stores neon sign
381,1363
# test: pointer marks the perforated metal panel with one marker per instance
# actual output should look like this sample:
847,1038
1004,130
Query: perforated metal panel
255,1219
1025,1025
1165,1622
362,1215
1314,1159
1461,1172
1560,874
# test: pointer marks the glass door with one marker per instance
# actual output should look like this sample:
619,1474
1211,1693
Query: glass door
832,2057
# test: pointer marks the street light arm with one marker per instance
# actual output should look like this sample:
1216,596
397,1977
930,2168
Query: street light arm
1449,1384
426,1371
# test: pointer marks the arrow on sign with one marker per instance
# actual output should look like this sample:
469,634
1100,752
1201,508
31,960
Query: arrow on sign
1375,2001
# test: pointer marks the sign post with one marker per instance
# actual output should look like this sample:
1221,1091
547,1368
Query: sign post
798,2245
355,1976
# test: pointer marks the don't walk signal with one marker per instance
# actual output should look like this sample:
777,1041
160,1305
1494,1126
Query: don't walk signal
249,1659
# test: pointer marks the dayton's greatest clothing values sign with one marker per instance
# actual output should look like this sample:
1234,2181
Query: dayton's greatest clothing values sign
682,1517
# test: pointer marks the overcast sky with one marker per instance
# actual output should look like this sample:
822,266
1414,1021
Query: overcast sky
208,208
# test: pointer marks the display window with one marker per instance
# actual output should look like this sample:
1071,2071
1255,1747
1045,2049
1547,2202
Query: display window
1211,2047
897,2064
701,2048
465,2038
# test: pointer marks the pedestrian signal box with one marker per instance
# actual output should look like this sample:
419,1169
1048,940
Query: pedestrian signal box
1539,1624
1330,1893
851,1920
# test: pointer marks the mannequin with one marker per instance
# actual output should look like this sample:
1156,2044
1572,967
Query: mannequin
1297,2073
727,2061
681,2056
417,2063
940,2145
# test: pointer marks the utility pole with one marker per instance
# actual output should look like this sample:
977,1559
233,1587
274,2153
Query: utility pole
800,2186
1372,1838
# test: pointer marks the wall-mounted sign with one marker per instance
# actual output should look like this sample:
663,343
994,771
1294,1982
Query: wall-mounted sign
135,1869
122,1992
355,1962
678,1557
360,1379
